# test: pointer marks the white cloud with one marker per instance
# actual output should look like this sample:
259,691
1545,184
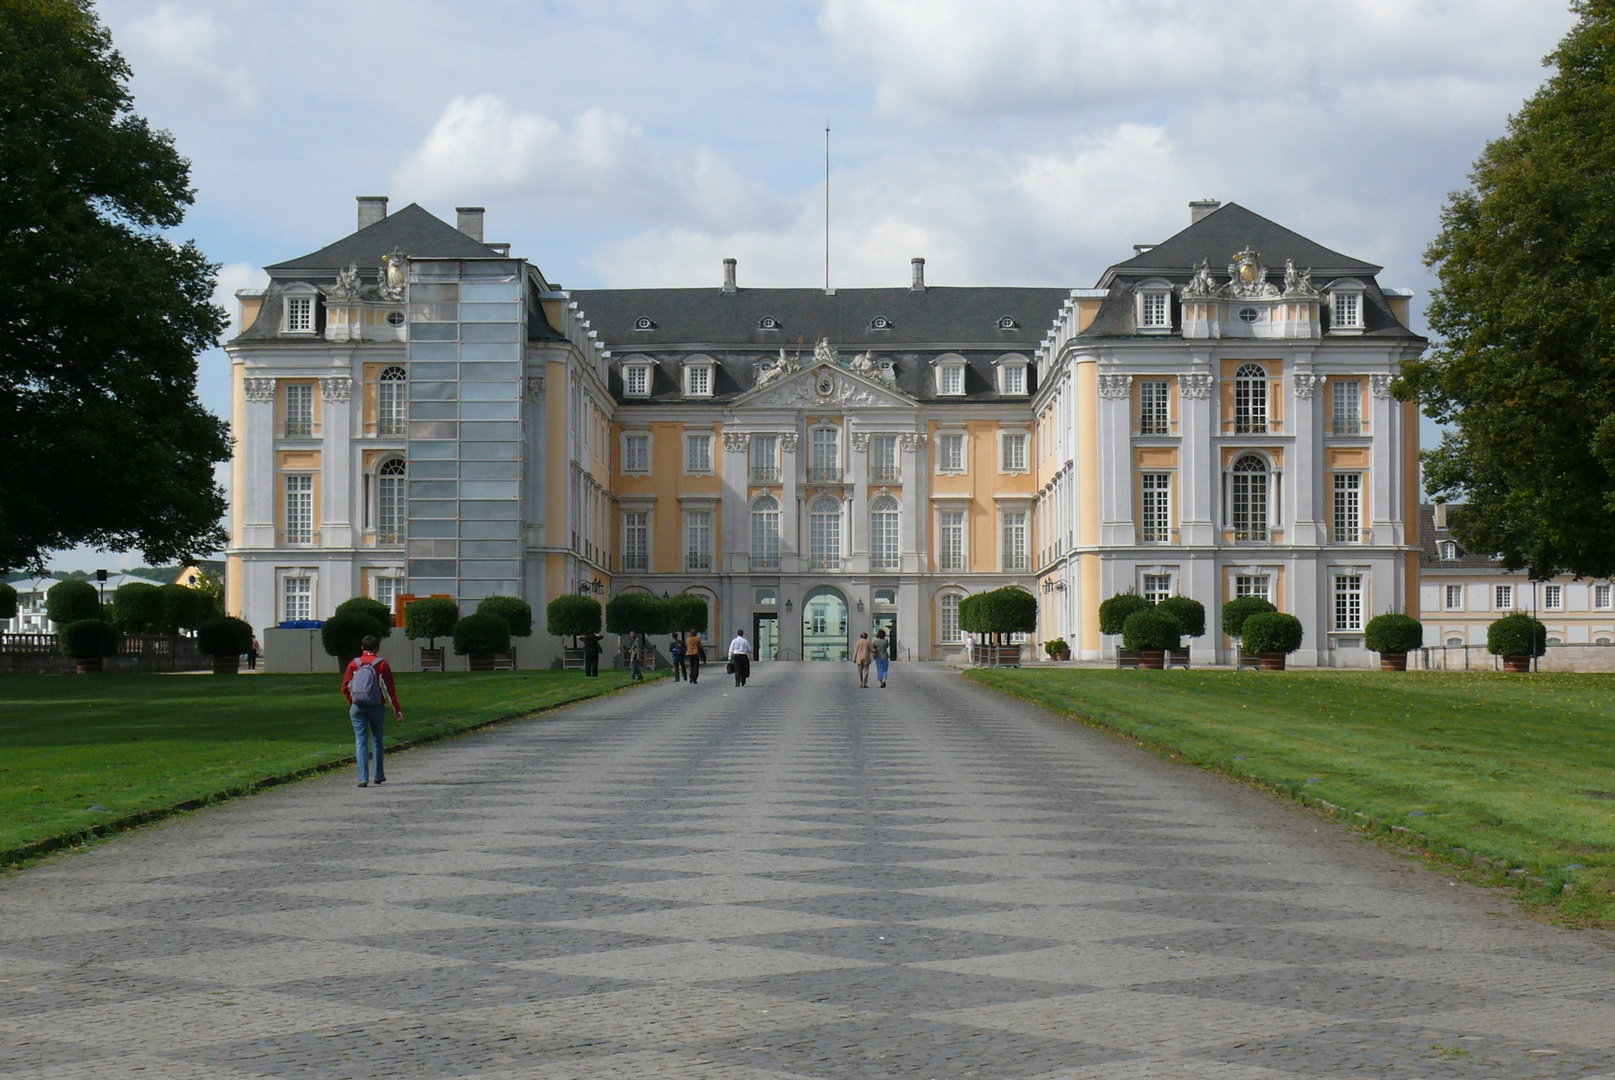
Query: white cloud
181,48
231,277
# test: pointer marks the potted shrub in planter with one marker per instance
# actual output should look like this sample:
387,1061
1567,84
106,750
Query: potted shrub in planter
1114,611
1150,634
88,642
479,637
373,608
994,615
343,635
1393,636
431,617
1236,611
138,607
1188,613
635,610
1518,639
224,639
1057,649
571,615
518,615
1273,636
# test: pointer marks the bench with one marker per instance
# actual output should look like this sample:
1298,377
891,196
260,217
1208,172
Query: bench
1177,658
504,661
1126,660
1248,660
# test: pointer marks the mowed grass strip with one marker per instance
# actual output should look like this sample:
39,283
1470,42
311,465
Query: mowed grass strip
1511,767
135,744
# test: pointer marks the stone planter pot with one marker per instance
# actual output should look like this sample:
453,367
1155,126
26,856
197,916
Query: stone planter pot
1273,661
226,665
1152,660
432,660
1393,661
1063,654
1517,663
86,665
482,661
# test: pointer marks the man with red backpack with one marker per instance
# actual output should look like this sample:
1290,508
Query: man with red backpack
368,684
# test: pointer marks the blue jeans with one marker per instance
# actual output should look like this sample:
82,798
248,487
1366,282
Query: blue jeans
881,667
367,729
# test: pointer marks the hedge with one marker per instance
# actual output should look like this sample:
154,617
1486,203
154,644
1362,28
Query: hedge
1235,612
184,608
89,639
138,607
224,636
430,617
569,615
483,632
1271,632
373,608
1188,613
1516,635
343,635
8,601
1001,611
517,613
687,611
1114,611
71,602
1393,633
640,611
1152,630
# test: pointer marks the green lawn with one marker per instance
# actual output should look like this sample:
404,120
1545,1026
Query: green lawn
1515,768
142,744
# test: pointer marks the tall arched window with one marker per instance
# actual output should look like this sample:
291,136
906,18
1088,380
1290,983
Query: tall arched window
824,534
765,534
390,502
1248,498
391,401
1250,399
948,618
883,534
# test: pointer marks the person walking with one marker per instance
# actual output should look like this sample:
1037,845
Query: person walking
883,656
252,654
863,654
740,657
591,656
675,652
368,684
693,655
636,648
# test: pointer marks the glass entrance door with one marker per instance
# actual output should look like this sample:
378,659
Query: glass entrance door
765,636
824,625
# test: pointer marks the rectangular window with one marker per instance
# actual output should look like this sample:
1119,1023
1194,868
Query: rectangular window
951,540
765,535
1014,447
950,454
299,314
1155,310
1157,587
883,459
1254,585
824,455
698,540
636,453
636,541
1348,602
698,381
698,453
296,598
636,381
1152,407
389,588
1014,376
1348,310
1348,523
1453,597
1015,540
953,379
883,536
765,459
299,509
1503,598
1155,515
948,619
1603,597
1553,597
1348,407
299,410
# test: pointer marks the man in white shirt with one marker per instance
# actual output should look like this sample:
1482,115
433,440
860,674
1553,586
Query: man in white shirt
740,657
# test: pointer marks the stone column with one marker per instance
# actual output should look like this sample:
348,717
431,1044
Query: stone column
339,472
736,554
260,487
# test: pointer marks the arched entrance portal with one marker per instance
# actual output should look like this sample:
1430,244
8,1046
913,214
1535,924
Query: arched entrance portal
824,625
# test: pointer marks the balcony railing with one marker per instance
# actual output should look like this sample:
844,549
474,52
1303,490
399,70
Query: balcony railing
824,562
885,474
1253,534
1151,426
764,474
1250,426
299,429
824,474
1346,427
297,538
693,561
389,536
1015,562
391,428
765,562
1346,536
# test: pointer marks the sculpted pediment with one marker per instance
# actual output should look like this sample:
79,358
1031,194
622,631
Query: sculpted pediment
822,384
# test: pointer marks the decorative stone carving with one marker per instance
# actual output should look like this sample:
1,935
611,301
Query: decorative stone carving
1307,385
865,365
259,389
1195,386
1247,277
391,276
1298,285
777,370
1380,385
533,388
912,440
736,442
1115,386
825,353
336,388
824,387
1200,286
860,441
787,442
347,287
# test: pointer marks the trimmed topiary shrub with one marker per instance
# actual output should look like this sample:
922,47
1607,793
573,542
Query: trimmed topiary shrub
1150,630
184,608
1235,612
1113,612
483,632
8,601
343,635
999,611
570,615
687,611
1393,633
1271,632
1058,645
89,639
640,611
373,608
224,636
71,602
1517,635
431,617
137,607
517,613
1187,613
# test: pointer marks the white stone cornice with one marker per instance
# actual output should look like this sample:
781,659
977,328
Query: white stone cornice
912,440
336,388
736,442
1380,385
259,389
860,441
1195,386
1307,385
1115,386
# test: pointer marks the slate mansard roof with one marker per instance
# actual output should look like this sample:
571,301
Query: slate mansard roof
1431,538
413,230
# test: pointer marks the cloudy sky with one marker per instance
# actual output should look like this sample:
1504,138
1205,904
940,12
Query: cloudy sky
638,142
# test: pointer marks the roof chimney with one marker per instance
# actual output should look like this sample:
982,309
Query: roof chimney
1440,515
918,284
372,208
1201,207
469,221
729,288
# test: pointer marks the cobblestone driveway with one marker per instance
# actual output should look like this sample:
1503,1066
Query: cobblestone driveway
798,879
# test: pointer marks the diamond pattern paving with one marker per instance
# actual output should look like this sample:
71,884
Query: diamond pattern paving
795,881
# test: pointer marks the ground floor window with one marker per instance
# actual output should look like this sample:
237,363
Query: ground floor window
1254,585
1157,587
296,597
948,619
388,587
1348,602
1454,599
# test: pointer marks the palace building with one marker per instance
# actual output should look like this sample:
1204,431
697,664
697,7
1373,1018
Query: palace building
419,412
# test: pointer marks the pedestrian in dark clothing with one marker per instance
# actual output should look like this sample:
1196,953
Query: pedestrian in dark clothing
740,657
368,685
636,652
675,652
883,656
591,656
693,655
252,654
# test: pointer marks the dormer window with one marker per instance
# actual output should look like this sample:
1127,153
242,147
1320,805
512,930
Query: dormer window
950,376
644,323
1346,307
636,379
698,379
1011,375
1154,307
1007,322
768,322
1448,550
880,322
299,317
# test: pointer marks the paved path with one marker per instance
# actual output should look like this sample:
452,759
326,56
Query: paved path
799,879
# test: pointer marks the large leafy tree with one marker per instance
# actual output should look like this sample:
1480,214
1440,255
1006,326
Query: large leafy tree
102,438
1525,368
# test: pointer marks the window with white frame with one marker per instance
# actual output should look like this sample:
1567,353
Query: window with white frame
1248,498
296,597
1013,452
299,509
1157,587
1348,602
1452,597
950,453
1603,597
1455,642
1348,407
1155,513
698,380
883,460
388,586
824,534
1015,540
299,410
390,507
1447,549
951,540
765,533
300,314
1254,585
636,452
764,459
698,540
1503,598
1250,399
636,380
1152,407
1012,378
948,619
824,454
883,534
1348,309
1553,597
392,401
950,378
1155,309
1348,520
636,541
698,453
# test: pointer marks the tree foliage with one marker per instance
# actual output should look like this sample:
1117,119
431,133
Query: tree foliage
1000,611
1187,612
1113,611
483,632
184,608
517,613
223,636
1151,628
1393,633
1236,611
364,605
87,639
343,635
1525,370
72,601
101,315
636,610
430,617
687,611
569,615
1517,635
1271,632
8,601
137,607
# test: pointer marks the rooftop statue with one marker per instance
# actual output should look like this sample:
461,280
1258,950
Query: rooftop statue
1201,284
776,371
347,284
825,353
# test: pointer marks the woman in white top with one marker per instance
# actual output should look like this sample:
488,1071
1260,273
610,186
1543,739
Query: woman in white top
740,657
